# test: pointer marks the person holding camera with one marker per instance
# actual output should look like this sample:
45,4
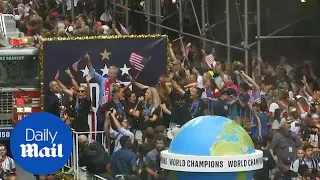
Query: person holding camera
122,129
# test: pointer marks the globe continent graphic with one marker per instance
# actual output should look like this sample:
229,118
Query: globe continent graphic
211,136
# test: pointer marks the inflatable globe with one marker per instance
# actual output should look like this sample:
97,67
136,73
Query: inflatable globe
216,137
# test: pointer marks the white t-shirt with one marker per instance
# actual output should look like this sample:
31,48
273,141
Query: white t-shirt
200,82
8,164
294,128
273,107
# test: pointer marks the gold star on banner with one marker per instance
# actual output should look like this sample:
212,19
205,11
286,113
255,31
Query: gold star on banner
105,55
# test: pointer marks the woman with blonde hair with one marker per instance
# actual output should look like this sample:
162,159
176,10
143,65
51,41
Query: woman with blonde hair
151,108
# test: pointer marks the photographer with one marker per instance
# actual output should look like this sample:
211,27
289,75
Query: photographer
152,162
122,129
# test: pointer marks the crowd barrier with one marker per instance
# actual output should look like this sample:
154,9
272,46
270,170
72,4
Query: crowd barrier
72,166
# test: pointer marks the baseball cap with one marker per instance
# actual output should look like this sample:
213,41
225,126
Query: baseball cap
287,161
225,91
244,98
284,120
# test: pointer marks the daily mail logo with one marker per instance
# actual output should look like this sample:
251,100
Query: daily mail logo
33,149
41,143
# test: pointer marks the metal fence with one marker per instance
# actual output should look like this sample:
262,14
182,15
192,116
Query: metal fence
72,166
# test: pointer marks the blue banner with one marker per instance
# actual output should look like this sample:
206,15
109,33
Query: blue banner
104,52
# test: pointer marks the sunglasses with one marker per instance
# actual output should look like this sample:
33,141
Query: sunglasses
80,91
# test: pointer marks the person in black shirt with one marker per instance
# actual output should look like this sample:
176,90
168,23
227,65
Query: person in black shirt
82,105
115,103
269,164
179,103
133,109
55,100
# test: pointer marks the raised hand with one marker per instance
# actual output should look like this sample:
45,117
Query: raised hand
56,77
87,57
88,78
68,72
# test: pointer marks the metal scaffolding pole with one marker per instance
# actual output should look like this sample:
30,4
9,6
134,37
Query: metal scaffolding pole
168,16
246,37
139,12
228,31
180,17
195,36
287,37
148,10
195,14
280,29
114,8
72,9
258,29
158,12
63,7
127,13
203,22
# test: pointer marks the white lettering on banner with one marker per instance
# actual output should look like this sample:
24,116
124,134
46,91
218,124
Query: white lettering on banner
5,134
189,163
45,135
11,58
32,150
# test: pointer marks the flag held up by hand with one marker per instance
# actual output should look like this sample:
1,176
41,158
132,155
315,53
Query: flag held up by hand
210,60
137,61
75,65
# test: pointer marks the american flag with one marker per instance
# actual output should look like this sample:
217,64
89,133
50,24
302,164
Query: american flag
210,60
254,98
75,65
137,61
123,29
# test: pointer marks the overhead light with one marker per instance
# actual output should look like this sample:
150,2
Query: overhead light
303,1
174,1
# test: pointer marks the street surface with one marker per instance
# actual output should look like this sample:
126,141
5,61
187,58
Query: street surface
23,175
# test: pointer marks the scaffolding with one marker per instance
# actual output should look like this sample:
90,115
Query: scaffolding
153,10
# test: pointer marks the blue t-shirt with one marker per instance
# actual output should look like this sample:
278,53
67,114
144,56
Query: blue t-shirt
264,125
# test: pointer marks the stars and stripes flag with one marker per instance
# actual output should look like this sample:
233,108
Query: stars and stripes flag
75,65
185,49
210,60
137,61
124,30
255,97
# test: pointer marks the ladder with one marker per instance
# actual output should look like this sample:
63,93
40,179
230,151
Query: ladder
7,29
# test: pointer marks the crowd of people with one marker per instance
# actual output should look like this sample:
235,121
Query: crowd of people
278,105
280,110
